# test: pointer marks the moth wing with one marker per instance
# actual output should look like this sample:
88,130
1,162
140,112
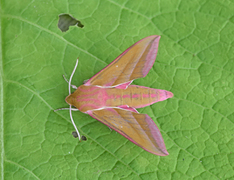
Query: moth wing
138,128
133,63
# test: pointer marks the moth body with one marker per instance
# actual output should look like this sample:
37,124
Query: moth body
88,98
109,97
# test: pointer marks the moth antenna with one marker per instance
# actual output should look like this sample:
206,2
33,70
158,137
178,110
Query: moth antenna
73,86
74,122
69,89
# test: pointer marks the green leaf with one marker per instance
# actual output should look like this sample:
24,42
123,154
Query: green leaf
195,61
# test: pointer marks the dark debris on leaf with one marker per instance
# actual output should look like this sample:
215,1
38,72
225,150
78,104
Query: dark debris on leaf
74,134
83,138
66,20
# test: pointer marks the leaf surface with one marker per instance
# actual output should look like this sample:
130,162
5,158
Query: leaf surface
195,61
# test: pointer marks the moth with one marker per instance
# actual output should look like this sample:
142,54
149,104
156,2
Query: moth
110,98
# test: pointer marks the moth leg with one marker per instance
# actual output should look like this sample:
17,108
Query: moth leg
73,86
73,109
85,81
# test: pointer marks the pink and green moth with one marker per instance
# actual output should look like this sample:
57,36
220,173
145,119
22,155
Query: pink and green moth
110,98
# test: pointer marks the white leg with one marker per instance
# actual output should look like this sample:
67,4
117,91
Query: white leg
73,109
73,86
85,81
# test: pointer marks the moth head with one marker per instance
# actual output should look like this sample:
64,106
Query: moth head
70,100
